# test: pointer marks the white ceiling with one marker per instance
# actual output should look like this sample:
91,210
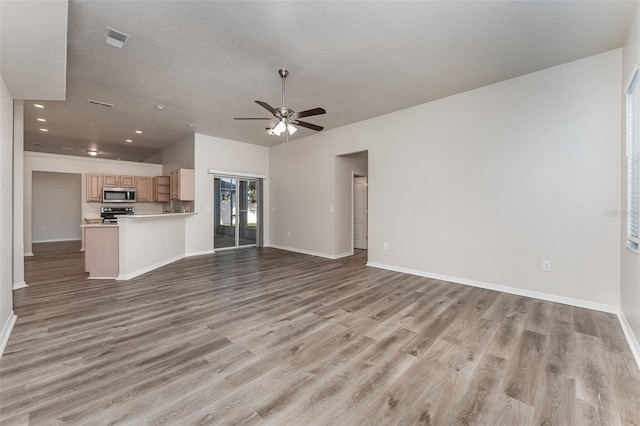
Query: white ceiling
33,34
208,61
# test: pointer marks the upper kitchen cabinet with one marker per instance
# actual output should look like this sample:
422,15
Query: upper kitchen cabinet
94,187
143,189
117,181
182,185
161,188
127,181
112,181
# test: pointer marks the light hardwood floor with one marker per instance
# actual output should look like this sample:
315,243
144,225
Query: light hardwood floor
263,336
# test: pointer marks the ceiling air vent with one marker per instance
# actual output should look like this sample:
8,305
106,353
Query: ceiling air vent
115,38
102,104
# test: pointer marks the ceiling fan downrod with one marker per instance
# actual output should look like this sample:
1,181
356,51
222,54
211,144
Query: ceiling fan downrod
283,74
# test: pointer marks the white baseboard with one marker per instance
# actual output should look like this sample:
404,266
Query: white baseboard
200,253
59,240
505,289
124,277
6,331
631,338
341,255
17,286
28,254
309,252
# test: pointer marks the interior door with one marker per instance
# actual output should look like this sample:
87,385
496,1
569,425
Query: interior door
360,212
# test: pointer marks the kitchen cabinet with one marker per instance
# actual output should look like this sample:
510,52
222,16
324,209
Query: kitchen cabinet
117,181
112,181
182,184
148,189
127,181
94,187
143,189
101,255
161,189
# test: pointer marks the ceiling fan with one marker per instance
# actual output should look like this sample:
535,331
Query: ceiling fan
287,117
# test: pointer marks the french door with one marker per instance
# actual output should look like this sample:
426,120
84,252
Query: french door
236,212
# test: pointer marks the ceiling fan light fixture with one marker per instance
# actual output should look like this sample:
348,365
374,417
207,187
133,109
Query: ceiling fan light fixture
280,127
291,129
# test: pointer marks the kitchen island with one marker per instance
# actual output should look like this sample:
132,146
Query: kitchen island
139,242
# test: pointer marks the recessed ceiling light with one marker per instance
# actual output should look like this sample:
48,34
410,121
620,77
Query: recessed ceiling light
90,124
128,140
191,125
41,119
44,130
66,148
139,132
37,144
38,106
160,106
92,152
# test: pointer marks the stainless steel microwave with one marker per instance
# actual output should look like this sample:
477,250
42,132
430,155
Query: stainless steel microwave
118,195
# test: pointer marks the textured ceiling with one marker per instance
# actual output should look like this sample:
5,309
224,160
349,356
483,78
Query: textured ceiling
208,61
32,34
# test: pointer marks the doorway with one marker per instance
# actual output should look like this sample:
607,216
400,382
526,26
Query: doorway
360,212
56,212
236,215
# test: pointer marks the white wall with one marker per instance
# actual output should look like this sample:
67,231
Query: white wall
630,261
224,155
180,155
502,178
6,214
56,206
143,248
18,191
74,164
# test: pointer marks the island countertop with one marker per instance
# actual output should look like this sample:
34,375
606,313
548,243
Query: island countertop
155,215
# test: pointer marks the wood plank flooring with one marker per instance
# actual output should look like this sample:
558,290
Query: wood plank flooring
263,336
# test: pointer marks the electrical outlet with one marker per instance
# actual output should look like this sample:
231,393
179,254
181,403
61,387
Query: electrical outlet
289,234
331,209
546,265
386,246
167,243
43,228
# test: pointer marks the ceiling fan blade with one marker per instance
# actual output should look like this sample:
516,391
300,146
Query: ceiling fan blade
256,118
308,125
266,106
310,112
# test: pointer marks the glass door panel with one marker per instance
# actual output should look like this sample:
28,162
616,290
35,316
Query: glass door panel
248,213
236,212
225,213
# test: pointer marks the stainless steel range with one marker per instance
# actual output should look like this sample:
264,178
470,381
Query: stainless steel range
110,214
